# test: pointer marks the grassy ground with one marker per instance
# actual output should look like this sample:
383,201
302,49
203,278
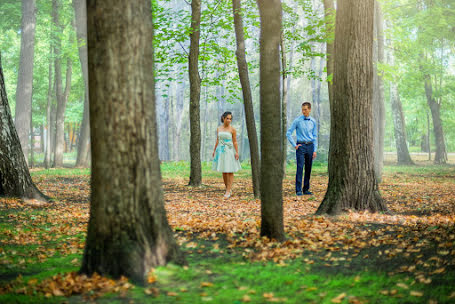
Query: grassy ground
407,257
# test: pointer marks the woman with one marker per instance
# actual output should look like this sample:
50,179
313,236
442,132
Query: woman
226,152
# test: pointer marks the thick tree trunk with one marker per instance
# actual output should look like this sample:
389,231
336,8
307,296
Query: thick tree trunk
435,107
83,147
15,180
247,98
352,181
128,232
271,142
378,94
329,12
195,96
25,77
399,126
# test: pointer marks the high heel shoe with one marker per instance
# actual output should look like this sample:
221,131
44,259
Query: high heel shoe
227,195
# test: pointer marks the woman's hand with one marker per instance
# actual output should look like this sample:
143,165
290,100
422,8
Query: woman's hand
236,155
213,154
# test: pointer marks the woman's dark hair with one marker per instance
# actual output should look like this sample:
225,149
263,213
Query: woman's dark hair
225,114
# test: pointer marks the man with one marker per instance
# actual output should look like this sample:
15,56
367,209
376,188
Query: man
307,144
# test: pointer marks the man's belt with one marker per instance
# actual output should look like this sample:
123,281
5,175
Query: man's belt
304,142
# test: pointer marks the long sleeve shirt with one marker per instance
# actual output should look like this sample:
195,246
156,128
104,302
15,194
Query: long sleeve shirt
306,130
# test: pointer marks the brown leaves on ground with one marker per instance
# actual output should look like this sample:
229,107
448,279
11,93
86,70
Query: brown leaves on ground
69,284
419,238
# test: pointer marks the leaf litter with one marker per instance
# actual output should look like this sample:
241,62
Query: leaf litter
417,238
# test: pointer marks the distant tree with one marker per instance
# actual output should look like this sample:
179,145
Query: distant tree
271,143
329,12
195,95
352,181
61,92
378,92
399,127
128,232
83,148
15,180
247,98
23,111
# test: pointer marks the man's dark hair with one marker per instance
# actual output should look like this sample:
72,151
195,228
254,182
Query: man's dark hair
225,114
306,103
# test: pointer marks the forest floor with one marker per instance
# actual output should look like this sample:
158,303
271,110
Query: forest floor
405,257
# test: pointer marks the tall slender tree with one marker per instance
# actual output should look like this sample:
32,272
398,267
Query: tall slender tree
61,92
271,143
352,181
128,232
25,76
247,98
378,92
399,127
15,180
83,148
329,12
195,95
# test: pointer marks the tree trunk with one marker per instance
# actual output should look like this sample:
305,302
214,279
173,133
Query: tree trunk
195,96
247,98
378,94
284,101
62,99
435,107
329,12
179,106
399,126
128,232
352,181
83,147
49,125
15,180
271,142
61,94
25,77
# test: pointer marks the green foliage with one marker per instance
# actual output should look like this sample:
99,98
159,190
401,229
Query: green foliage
422,39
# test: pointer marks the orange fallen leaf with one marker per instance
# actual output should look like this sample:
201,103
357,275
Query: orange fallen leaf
338,298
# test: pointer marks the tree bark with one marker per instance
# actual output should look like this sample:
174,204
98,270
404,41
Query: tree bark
329,12
15,180
399,126
25,77
247,98
378,94
352,182
435,107
271,143
195,96
83,147
128,232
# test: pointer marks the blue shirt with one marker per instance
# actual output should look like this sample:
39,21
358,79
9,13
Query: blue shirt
306,130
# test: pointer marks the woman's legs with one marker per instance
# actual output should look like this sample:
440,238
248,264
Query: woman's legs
225,179
230,181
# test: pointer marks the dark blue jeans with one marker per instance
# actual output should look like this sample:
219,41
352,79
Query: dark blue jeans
304,156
